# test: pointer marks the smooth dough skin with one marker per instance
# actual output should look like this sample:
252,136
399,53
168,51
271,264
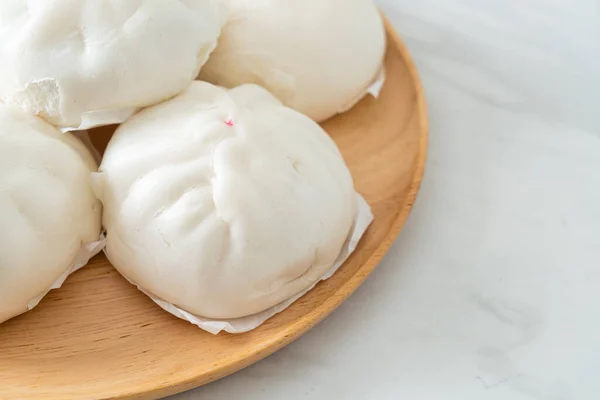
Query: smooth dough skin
80,63
47,207
317,56
224,202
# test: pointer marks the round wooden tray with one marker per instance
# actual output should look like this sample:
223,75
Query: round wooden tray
98,337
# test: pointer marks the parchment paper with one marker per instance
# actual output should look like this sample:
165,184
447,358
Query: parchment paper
83,257
93,119
374,89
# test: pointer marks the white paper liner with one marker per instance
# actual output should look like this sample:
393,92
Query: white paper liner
93,119
83,257
363,219
374,90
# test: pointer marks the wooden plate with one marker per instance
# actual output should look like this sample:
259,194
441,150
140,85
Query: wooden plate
98,337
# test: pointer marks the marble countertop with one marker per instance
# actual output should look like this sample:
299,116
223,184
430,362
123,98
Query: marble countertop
492,290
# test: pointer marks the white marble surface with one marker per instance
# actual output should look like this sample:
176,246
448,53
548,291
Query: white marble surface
492,291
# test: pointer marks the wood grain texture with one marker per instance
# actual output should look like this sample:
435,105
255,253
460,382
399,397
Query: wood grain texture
99,338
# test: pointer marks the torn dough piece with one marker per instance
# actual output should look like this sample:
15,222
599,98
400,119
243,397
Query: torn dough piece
224,203
48,210
85,63
318,57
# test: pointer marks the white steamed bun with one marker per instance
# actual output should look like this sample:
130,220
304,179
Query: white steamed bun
48,210
82,63
317,56
224,203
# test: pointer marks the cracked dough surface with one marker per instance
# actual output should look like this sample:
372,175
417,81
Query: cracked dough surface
71,60
224,202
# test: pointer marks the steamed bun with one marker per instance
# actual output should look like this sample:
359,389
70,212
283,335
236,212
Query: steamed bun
317,56
224,202
48,210
82,63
